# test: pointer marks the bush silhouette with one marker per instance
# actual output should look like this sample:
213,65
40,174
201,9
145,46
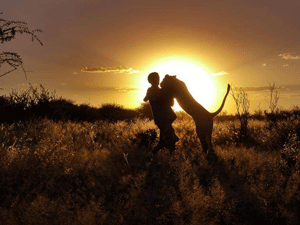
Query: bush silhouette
40,103
145,110
113,112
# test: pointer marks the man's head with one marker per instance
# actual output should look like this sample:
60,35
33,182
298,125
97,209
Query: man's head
153,78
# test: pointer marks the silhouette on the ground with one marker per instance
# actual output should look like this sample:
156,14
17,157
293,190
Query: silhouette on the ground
203,119
153,204
249,207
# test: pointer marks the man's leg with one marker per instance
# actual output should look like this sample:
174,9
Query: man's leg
170,136
161,144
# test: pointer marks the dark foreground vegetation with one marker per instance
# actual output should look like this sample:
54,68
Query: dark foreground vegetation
40,103
66,164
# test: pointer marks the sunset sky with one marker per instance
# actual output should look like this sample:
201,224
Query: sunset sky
98,51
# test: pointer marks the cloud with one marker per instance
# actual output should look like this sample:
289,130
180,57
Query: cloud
286,65
124,89
219,73
264,65
267,88
261,88
288,56
116,89
118,69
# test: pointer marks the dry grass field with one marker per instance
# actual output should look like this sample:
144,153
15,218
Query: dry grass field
71,171
103,173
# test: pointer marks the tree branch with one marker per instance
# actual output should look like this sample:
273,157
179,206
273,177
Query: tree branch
8,31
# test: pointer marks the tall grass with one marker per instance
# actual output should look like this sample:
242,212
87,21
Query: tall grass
64,172
69,164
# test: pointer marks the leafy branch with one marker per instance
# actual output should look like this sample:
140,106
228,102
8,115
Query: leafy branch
8,31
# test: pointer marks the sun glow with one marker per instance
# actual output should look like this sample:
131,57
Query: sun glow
197,80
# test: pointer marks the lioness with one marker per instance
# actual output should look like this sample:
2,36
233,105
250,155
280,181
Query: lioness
202,118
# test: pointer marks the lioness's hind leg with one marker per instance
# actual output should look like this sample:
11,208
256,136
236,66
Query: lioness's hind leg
204,144
208,141
211,154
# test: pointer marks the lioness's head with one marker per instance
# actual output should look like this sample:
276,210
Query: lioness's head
169,82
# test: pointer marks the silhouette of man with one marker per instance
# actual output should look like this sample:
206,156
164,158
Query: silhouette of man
163,114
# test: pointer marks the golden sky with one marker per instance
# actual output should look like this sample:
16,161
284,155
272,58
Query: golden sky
101,51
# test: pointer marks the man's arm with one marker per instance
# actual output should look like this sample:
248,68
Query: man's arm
172,102
147,96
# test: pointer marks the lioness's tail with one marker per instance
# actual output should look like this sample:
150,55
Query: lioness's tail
223,103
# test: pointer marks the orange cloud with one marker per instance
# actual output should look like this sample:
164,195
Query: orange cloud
118,69
219,73
288,56
124,89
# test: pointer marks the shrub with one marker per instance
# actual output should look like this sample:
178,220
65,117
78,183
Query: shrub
40,103
113,112
291,151
145,111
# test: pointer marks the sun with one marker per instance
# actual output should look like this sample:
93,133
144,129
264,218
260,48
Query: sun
196,79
